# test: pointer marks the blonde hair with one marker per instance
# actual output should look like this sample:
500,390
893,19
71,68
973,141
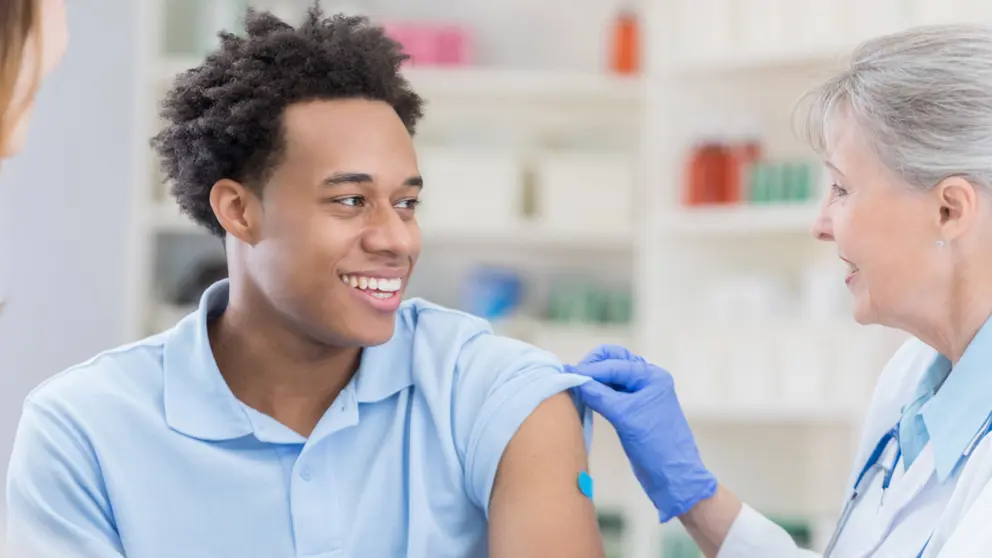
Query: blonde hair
19,23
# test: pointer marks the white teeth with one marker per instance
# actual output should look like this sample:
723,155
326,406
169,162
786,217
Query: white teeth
379,284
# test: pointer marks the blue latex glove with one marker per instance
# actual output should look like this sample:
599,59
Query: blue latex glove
639,399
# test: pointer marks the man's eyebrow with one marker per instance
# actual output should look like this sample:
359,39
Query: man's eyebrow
362,178
347,178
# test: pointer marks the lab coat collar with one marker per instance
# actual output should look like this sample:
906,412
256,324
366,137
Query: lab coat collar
199,403
961,406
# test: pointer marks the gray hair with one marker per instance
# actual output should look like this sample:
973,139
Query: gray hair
923,97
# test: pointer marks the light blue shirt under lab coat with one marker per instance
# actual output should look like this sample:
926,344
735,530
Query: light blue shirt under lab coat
144,451
948,410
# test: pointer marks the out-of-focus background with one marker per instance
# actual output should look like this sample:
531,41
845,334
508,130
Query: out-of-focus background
598,171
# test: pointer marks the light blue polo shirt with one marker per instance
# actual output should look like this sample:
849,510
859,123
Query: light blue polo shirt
143,451
949,409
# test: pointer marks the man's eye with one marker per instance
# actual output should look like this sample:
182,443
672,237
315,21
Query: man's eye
351,201
408,204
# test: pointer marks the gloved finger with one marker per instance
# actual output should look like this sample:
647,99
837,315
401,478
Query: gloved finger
598,397
606,352
624,375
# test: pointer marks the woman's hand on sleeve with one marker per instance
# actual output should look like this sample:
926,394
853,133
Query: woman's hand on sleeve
639,399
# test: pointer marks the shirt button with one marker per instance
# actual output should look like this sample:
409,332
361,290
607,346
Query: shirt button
305,475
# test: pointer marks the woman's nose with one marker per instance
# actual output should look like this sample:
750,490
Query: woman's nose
822,225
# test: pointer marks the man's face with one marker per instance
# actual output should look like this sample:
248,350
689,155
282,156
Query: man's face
339,237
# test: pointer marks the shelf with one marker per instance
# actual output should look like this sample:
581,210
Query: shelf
744,60
794,218
770,413
166,219
537,85
494,83
532,235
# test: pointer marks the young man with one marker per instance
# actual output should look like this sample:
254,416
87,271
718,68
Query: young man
304,410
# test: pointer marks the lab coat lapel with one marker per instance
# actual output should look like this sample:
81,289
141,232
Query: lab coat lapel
901,494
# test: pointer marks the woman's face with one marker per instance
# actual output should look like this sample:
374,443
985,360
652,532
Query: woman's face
40,58
884,230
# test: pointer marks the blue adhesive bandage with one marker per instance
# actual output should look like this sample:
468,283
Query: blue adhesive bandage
585,484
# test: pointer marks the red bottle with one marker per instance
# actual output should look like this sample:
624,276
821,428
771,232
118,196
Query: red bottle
625,54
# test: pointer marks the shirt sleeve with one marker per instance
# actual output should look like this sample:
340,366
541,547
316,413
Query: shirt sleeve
755,536
499,383
56,502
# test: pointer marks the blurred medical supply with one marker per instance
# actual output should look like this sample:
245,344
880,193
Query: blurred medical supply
625,54
612,526
492,293
585,302
433,43
729,166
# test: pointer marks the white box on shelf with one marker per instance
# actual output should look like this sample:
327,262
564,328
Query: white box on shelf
585,189
705,30
802,364
814,23
864,19
929,12
698,367
750,373
470,189
763,25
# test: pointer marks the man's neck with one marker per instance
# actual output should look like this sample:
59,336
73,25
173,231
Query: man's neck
275,369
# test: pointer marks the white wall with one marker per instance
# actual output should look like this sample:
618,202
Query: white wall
64,206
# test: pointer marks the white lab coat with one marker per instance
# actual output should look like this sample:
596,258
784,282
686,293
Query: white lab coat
957,513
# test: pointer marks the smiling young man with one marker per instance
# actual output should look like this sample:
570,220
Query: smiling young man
304,410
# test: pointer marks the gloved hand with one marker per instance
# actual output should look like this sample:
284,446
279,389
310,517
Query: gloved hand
639,399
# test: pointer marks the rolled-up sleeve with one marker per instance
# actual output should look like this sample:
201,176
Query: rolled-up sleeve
499,383
755,536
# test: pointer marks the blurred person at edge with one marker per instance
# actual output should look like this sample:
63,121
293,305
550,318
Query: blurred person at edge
906,133
33,38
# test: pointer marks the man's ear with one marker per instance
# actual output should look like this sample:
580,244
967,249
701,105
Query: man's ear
957,206
237,209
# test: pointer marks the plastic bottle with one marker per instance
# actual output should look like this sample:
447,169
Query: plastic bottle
625,54
744,149
706,172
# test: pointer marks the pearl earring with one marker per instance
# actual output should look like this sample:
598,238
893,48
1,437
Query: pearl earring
940,244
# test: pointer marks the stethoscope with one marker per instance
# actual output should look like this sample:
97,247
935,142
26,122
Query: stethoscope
873,460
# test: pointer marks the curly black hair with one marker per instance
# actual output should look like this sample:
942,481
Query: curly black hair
224,117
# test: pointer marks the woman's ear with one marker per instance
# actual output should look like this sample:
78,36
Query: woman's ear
957,202
237,209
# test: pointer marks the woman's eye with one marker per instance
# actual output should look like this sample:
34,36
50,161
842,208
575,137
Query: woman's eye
351,201
838,190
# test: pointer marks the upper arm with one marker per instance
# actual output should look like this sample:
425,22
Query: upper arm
536,507
56,502
515,420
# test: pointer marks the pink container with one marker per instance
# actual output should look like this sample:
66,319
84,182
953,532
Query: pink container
454,46
429,44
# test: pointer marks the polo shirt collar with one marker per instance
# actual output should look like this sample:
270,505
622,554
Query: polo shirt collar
199,403
960,408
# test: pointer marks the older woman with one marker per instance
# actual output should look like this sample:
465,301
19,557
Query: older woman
906,133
